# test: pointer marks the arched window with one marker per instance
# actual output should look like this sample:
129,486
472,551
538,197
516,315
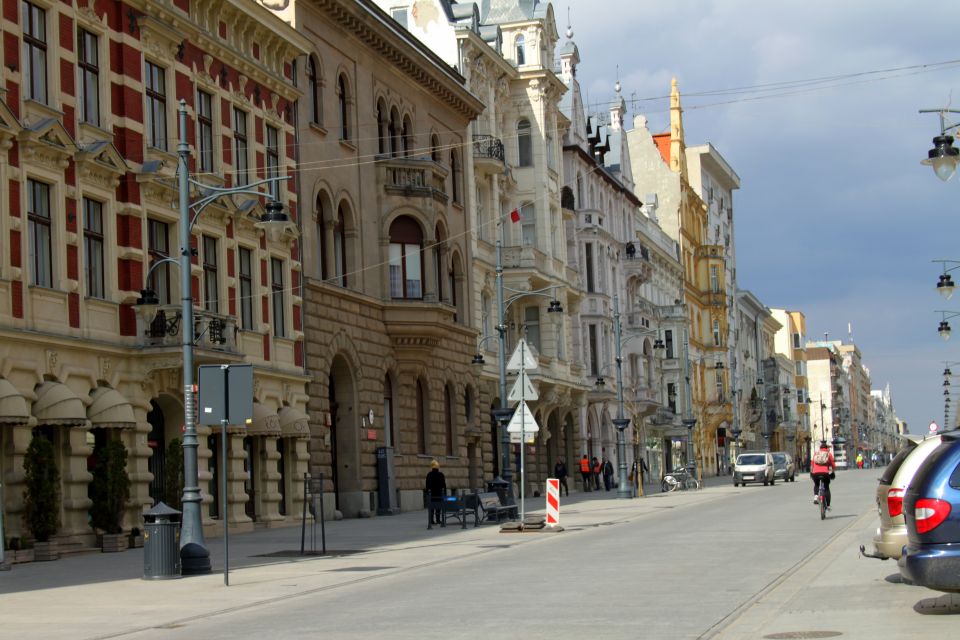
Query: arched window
455,177
395,127
321,240
406,264
422,422
389,434
435,148
448,417
521,53
344,100
382,133
524,144
313,86
340,248
407,135
438,252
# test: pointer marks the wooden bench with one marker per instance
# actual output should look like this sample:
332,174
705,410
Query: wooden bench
493,509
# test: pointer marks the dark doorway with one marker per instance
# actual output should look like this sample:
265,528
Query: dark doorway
158,450
250,477
494,443
334,462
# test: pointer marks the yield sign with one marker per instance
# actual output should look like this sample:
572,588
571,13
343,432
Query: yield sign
522,357
523,389
523,420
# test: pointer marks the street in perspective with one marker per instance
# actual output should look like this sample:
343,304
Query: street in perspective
650,567
474,318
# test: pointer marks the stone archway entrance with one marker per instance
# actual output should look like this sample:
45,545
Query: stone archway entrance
344,440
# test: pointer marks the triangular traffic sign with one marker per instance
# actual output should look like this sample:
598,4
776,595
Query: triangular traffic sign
522,357
523,389
523,418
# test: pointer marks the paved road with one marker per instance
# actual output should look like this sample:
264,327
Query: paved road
722,562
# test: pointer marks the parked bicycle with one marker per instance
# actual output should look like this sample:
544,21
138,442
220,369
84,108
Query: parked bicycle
680,478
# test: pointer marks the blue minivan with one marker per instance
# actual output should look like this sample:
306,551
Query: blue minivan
931,507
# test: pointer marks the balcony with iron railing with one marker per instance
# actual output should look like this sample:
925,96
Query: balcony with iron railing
488,154
211,331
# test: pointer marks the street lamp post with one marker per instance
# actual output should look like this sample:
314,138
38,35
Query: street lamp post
503,414
943,157
621,422
195,557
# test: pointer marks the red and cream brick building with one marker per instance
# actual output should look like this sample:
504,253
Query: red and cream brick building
89,95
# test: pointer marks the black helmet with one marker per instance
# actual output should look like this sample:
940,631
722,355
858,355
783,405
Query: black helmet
824,445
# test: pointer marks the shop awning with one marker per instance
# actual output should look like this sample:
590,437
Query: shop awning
265,421
294,423
110,409
56,404
13,406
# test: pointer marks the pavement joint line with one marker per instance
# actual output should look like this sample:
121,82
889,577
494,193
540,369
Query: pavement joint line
731,618
290,596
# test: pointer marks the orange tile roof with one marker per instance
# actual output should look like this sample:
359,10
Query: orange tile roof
662,140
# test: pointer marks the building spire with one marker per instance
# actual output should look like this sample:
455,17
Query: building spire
678,153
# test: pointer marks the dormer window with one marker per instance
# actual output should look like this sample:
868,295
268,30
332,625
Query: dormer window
521,53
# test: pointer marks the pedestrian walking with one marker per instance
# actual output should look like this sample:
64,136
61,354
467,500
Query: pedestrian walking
585,472
859,461
560,473
607,474
436,490
597,470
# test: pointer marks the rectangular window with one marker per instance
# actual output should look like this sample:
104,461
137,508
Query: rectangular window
796,340
93,247
800,399
158,245
211,290
588,256
246,289
531,318
240,159
400,15
273,160
672,396
156,106
668,339
38,213
720,397
276,286
592,346
716,333
205,131
714,279
88,66
35,52
405,271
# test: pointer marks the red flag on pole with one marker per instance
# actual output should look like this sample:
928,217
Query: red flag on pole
515,215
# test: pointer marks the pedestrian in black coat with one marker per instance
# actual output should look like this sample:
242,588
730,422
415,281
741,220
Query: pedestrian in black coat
436,490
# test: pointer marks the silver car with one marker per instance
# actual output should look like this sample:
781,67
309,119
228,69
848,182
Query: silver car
753,466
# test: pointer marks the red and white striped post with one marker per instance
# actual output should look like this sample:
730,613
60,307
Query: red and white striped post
553,502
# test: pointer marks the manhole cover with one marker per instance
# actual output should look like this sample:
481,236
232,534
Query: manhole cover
295,553
802,635
363,569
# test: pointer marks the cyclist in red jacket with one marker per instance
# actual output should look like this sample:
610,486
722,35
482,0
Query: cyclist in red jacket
822,469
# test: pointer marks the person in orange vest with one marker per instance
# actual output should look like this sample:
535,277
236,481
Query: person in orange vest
597,472
585,472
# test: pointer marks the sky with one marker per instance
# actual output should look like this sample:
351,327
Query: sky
835,216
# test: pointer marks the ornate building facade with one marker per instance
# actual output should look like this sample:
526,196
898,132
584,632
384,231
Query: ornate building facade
89,125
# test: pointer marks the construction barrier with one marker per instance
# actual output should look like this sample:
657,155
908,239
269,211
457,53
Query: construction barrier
553,502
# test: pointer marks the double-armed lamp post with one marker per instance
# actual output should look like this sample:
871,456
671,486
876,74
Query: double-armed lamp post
621,422
503,414
195,557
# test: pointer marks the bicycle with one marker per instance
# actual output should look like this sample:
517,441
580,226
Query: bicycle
681,478
822,498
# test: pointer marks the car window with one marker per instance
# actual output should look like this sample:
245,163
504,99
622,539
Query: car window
955,478
779,457
894,466
752,459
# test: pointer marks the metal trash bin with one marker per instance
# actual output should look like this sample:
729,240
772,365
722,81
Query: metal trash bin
161,543
499,486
